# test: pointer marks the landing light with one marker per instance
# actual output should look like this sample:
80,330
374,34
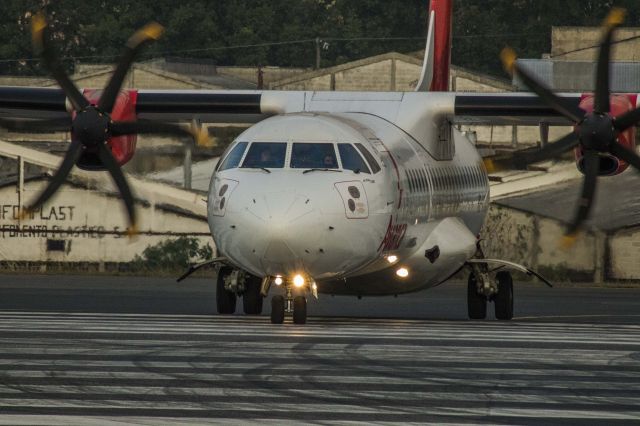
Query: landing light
278,281
392,258
402,272
298,280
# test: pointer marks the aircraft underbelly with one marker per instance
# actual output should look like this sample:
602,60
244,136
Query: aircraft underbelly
452,240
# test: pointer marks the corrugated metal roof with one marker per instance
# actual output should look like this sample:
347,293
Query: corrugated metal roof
617,202
576,76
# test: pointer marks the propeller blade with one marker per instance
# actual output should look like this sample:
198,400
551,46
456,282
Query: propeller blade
624,153
53,125
591,166
510,64
141,126
121,182
150,32
603,93
522,159
59,177
40,40
627,120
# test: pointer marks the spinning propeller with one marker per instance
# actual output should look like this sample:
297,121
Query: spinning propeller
92,125
595,132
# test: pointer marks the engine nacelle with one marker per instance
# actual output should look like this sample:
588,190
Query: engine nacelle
611,165
122,147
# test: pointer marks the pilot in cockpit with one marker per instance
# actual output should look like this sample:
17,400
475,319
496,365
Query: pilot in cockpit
330,162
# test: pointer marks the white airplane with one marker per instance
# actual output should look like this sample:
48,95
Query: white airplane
356,193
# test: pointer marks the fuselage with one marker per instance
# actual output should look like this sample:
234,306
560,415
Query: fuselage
347,199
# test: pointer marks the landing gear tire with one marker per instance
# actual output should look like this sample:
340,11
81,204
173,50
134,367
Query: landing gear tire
299,310
476,302
252,298
504,298
277,309
225,300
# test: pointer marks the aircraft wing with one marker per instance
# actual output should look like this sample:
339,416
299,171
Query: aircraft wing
252,106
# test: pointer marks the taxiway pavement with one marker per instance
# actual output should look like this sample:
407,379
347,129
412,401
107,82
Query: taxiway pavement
126,350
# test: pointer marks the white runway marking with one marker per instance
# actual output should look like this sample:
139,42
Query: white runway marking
59,368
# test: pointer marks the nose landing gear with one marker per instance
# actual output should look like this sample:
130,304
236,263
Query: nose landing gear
292,305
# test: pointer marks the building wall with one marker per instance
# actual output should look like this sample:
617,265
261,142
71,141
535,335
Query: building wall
624,252
502,136
75,209
374,77
96,76
270,74
406,76
534,241
569,39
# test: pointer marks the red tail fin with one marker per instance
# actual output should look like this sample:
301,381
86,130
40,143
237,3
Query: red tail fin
443,11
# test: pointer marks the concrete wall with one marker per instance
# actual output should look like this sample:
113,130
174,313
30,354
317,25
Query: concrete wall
624,252
534,241
96,76
567,39
388,72
75,209
270,74
502,136
141,77
376,77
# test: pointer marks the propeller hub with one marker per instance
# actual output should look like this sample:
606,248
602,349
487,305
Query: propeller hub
91,126
597,132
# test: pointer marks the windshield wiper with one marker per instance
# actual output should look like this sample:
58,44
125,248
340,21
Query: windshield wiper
320,170
257,168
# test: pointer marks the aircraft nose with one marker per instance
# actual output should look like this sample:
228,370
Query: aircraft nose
289,227
324,230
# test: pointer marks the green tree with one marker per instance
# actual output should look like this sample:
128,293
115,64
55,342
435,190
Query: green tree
94,31
173,254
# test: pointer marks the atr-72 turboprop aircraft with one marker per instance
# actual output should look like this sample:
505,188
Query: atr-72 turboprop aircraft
374,193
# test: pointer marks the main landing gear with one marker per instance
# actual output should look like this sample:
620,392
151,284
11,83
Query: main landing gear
231,283
483,288
498,290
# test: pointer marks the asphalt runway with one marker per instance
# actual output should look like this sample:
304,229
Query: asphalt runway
124,350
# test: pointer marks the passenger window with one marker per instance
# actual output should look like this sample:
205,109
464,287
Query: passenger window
351,160
233,158
269,155
313,156
375,167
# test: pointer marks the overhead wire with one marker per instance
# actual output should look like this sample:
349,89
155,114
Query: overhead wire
267,44
325,39
582,49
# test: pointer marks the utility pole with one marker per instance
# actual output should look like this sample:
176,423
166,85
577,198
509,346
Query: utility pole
544,134
187,166
188,157
318,53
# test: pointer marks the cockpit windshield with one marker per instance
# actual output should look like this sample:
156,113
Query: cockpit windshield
351,160
268,155
233,159
313,156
